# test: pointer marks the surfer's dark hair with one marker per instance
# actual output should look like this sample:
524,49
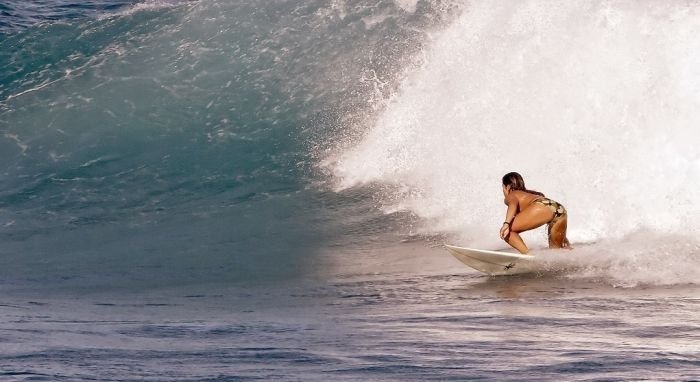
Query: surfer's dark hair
516,182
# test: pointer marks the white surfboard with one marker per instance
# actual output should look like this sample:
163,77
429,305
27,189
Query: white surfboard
494,263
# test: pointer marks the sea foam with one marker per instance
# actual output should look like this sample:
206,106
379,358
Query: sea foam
594,102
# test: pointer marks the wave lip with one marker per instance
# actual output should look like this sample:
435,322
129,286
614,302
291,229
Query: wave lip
148,5
16,15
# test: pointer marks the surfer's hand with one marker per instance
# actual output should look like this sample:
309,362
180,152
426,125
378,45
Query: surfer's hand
505,230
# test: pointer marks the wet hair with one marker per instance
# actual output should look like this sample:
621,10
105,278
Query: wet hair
516,182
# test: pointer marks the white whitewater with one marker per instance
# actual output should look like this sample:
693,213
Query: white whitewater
596,103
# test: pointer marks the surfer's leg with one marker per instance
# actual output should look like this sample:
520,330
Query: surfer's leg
516,242
532,217
557,234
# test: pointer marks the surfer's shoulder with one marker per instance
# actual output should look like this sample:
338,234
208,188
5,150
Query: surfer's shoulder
512,197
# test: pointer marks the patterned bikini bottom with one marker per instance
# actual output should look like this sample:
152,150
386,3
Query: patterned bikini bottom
558,209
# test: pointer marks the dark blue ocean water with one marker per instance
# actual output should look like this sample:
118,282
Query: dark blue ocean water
167,212
16,14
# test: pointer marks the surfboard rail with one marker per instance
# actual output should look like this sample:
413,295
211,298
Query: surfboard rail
494,263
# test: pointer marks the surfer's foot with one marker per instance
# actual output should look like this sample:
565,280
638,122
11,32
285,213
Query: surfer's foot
566,244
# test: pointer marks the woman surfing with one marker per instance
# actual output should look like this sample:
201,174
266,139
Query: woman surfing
528,210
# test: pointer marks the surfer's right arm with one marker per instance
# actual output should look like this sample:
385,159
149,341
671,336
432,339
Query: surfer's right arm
512,202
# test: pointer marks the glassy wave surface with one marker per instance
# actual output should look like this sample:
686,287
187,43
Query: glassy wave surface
166,142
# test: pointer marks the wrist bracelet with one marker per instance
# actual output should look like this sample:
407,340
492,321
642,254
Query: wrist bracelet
506,223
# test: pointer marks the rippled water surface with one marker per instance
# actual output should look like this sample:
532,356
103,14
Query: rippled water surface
403,327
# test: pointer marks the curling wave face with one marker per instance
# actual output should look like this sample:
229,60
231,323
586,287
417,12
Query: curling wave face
174,142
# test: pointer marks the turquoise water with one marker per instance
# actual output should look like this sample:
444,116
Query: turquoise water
183,138
212,190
